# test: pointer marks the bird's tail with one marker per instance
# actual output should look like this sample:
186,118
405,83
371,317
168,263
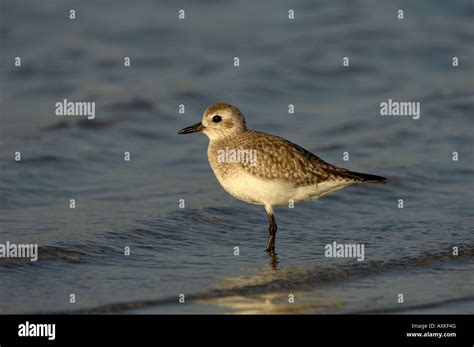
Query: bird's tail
368,178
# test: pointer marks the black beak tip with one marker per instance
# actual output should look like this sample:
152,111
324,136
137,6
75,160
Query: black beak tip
192,129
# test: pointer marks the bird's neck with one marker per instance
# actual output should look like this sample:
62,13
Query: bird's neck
220,141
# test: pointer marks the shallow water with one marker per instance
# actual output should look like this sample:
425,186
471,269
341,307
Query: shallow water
135,204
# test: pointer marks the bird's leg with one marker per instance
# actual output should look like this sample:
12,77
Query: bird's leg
272,229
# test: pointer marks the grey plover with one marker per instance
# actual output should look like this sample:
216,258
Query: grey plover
265,169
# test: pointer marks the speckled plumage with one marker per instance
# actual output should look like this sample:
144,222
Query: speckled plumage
279,159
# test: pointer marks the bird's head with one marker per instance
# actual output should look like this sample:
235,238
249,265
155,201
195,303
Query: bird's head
219,121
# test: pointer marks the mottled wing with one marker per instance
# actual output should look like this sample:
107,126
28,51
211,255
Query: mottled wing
277,158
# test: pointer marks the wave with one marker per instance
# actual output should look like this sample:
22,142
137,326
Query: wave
422,306
299,279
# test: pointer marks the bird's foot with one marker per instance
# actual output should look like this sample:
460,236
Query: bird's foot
273,258
271,251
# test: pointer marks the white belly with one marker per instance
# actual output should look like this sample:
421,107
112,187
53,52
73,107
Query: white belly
255,190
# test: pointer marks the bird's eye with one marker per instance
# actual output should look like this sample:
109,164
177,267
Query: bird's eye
216,118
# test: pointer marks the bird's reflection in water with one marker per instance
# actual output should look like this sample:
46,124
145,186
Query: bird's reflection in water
274,303
259,293
273,261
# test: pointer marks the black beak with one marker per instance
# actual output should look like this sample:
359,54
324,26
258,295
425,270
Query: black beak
192,129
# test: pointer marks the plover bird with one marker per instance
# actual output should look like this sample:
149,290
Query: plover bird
265,169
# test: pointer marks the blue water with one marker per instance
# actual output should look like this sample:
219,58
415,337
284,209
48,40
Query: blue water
191,251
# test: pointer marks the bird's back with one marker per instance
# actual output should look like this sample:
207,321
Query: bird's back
282,160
